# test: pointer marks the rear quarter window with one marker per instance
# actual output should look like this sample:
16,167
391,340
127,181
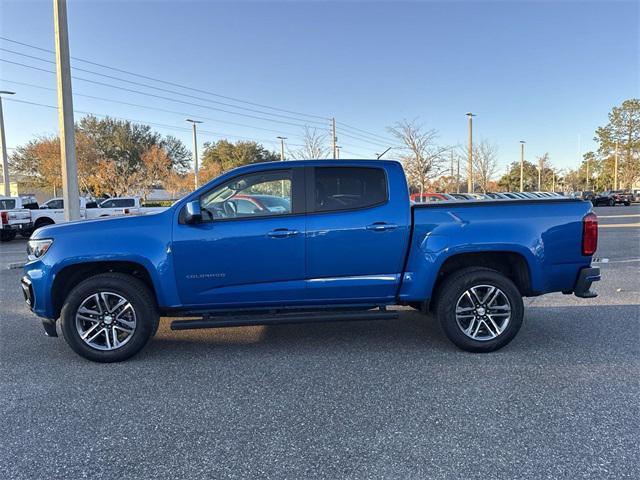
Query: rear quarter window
348,188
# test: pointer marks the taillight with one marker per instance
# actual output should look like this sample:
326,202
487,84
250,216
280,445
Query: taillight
589,234
126,211
5,217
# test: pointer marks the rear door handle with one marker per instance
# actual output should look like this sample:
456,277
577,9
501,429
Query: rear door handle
381,226
282,233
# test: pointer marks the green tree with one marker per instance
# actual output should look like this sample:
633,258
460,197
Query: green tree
622,129
510,181
224,155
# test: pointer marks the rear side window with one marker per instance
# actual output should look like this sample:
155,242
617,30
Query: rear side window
347,188
7,204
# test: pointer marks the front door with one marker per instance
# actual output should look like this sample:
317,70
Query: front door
249,249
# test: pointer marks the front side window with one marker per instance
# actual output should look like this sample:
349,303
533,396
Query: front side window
55,204
253,195
124,202
346,188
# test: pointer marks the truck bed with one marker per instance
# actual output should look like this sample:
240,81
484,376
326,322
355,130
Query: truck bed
544,233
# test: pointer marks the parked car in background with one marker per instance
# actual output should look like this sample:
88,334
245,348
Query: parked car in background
127,206
612,198
587,195
462,196
15,216
430,197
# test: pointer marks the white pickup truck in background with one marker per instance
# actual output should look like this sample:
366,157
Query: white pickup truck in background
22,215
52,211
15,216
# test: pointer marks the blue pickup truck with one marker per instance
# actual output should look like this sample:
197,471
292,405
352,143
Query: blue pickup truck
306,241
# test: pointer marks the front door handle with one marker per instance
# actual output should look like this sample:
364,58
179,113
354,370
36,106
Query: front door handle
381,227
282,233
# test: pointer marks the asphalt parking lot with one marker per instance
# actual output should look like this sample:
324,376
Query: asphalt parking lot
351,400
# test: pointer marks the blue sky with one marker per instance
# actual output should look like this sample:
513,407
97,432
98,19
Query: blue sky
545,72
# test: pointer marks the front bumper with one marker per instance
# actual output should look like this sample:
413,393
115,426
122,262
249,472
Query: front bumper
586,277
48,324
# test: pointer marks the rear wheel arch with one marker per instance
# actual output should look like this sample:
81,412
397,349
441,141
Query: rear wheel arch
511,264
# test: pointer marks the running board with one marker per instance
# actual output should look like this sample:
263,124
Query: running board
280,319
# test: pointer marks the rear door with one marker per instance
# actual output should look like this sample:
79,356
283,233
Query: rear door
357,233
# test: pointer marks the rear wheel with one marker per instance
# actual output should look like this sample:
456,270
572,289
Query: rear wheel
612,203
109,317
480,310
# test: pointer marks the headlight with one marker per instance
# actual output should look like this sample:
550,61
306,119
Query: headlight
37,248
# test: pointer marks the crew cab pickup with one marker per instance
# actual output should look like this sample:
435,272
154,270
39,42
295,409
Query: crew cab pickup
305,241
15,216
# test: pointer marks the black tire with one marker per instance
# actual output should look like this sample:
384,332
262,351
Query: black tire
130,288
42,222
627,204
455,286
612,203
7,235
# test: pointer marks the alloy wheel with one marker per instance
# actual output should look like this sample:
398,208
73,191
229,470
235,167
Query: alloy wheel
105,321
483,312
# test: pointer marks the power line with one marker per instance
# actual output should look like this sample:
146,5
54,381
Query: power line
170,83
357,140
183,114
144,122
166,90
362,131
366,141
95,82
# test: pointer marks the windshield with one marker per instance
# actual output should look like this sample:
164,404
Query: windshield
7,204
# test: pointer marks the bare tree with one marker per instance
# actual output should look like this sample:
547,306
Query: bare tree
543,168
485,162
315,145
421,157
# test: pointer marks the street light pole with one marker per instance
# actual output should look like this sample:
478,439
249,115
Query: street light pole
333,136
195,151
615,168
470,159
65,113
522,142
3,144
282,139
539,174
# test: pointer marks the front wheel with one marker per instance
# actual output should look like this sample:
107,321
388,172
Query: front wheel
109,317
480,310
612,203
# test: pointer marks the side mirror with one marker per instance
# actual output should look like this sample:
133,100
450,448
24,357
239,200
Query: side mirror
192,212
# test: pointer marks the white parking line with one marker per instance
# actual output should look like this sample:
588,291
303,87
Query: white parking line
620,216
619,225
